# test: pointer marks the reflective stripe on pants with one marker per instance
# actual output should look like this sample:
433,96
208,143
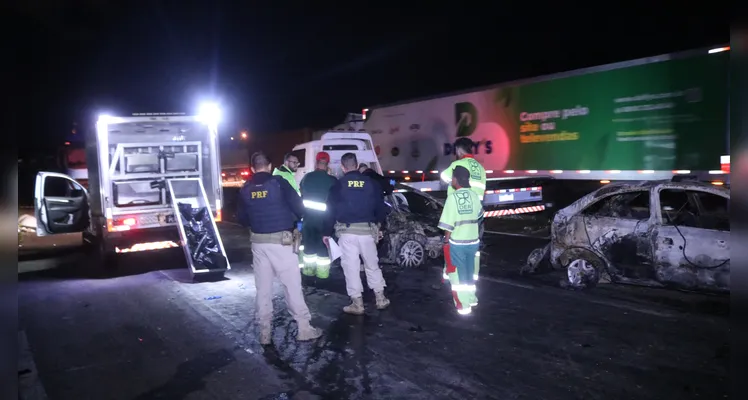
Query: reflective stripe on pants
461,275
316,261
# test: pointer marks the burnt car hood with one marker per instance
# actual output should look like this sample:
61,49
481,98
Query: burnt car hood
399,220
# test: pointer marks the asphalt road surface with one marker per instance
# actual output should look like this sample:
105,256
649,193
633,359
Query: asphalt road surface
145,331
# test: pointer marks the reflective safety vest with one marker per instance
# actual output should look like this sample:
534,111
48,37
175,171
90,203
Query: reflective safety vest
477,175
286,174
461,215
315,187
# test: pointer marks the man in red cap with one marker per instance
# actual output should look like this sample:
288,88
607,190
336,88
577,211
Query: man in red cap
315,187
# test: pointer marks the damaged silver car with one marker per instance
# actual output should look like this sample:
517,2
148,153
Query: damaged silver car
411,237
655,233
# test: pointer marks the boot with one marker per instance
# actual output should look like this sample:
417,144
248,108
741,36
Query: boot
266,334
307,332
356,307
382,302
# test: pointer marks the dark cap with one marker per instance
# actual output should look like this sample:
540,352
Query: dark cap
462,175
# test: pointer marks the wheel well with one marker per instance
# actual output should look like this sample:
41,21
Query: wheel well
574,253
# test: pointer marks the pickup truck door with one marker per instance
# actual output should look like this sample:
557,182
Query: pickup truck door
60,204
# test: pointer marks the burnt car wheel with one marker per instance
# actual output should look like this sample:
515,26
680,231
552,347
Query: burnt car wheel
411,253
582,274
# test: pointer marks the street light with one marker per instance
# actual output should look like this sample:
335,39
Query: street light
244,135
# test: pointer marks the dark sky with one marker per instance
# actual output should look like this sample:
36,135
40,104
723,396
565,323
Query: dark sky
294,65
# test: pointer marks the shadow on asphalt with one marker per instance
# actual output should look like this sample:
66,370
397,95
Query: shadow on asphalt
78,265
25,255
191,375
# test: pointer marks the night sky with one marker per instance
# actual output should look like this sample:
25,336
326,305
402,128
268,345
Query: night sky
292,66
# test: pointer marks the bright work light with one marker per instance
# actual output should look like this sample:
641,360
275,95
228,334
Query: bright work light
210,114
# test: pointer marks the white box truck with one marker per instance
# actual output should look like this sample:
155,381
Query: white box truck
136,167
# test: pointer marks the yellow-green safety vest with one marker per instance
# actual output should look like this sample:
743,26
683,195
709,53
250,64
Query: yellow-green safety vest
477,175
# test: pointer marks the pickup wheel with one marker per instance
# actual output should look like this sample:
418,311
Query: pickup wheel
106,257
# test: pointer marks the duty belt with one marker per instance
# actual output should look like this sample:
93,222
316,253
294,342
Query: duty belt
358,228
284,237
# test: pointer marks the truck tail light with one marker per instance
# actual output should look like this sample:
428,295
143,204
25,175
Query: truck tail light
219,213
119,225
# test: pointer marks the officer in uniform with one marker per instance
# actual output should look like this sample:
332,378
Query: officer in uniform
287,170
269,207
387,187
459,220
314,190
464,152
357,210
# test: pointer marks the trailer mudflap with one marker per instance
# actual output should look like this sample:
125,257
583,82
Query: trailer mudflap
201,241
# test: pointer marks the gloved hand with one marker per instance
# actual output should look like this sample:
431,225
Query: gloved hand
448,260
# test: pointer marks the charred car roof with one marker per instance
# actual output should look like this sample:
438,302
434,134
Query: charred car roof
623,187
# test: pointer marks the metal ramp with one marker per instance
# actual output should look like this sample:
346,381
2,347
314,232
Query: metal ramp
201,241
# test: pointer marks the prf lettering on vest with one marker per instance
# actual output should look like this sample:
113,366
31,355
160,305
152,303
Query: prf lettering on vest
356,184
260,194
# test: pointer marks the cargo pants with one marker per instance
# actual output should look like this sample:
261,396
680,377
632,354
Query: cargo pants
352,246
459,271
274,259
315,258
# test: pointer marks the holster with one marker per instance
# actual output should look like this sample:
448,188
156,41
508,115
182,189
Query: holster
296,241
375,232
448,259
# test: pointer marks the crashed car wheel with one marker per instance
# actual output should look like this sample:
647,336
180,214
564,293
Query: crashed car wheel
411,254
582,274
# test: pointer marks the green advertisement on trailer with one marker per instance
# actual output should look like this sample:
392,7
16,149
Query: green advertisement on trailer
667,115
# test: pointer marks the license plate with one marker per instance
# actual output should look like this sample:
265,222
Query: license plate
166,218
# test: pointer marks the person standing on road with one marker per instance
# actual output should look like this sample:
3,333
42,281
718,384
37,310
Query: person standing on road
459,220
269,207
288,169
385,183
464,153
357,211
314,190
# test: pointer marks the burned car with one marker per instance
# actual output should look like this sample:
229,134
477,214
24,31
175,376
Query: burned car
411,237
655,233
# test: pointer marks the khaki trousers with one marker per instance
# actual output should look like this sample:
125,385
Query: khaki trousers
352,246
271,259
